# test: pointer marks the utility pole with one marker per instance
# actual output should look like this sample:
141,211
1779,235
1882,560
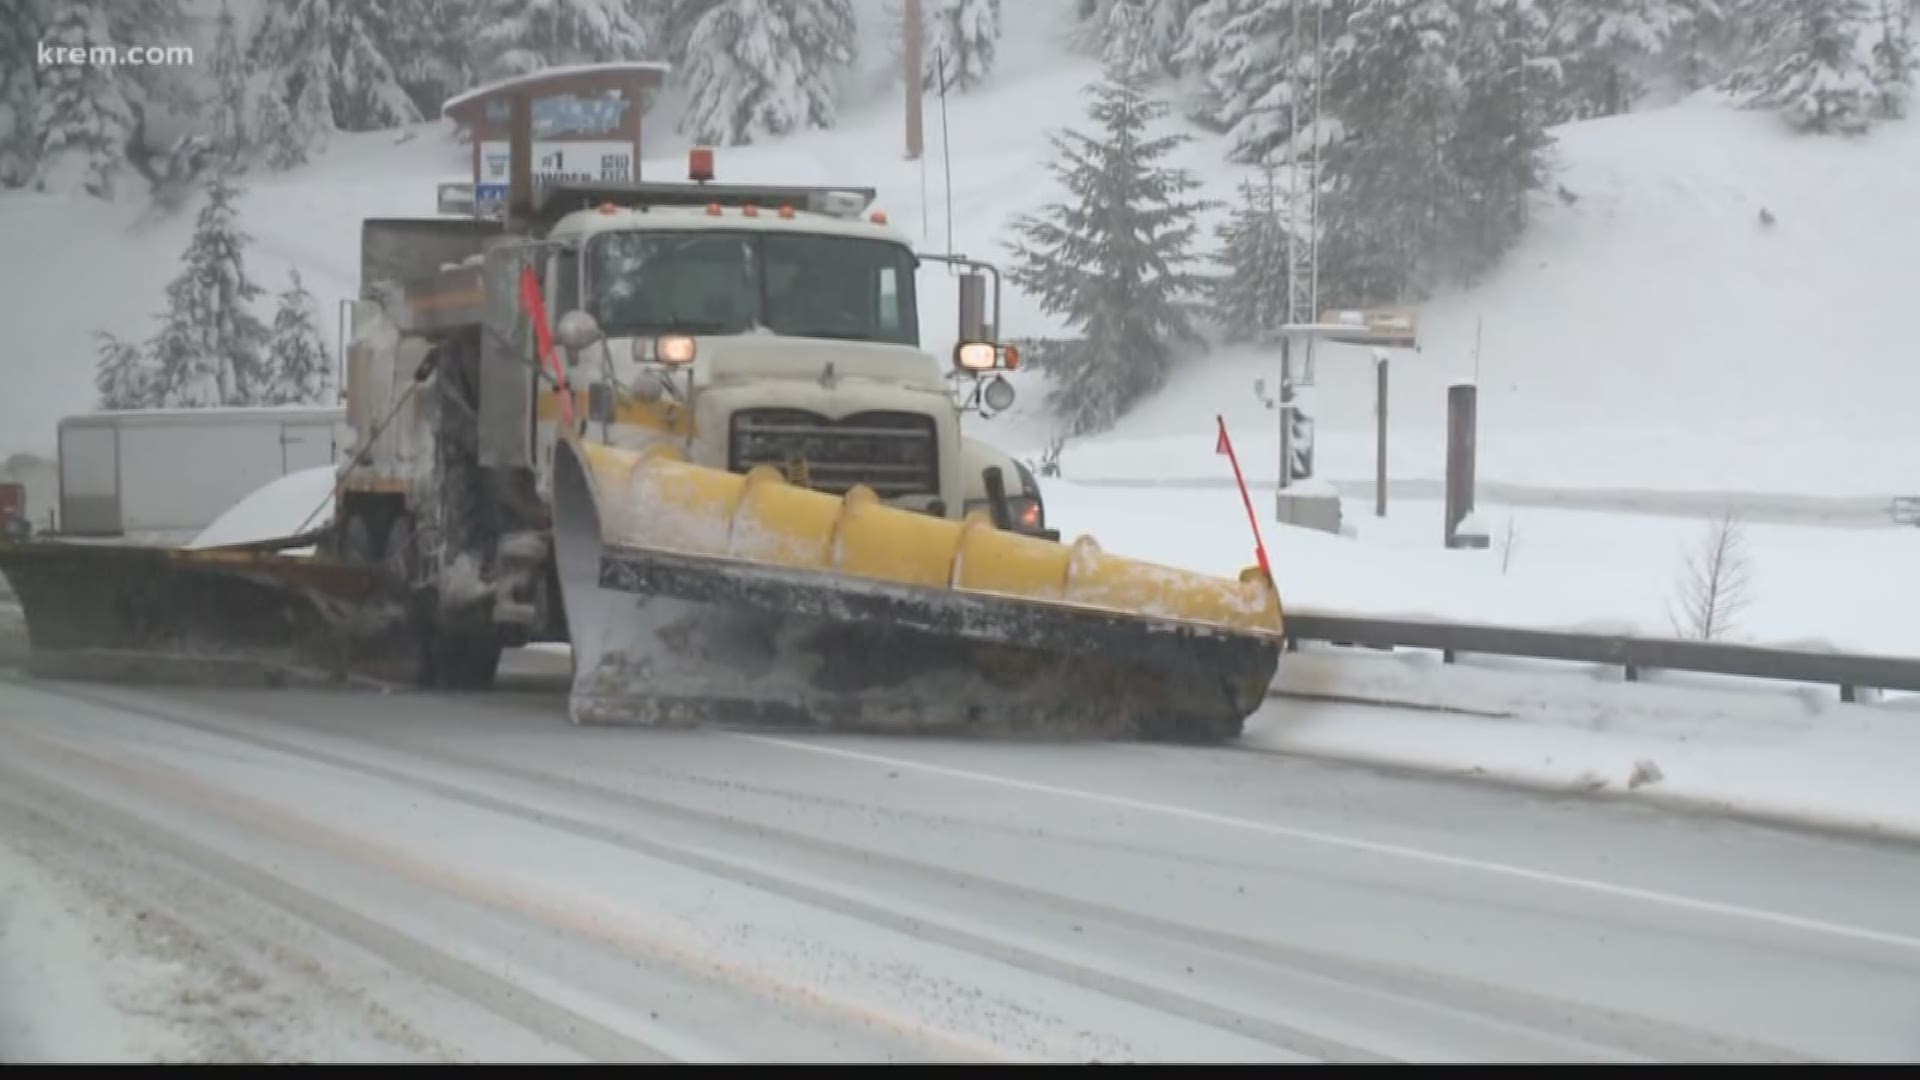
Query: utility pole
915,37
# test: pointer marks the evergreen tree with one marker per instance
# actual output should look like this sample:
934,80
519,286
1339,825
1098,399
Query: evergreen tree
1894,61
1701,44
1114,259
1240,52
297,368
677,18
1388,181
1603,46
963,33
80,110
1817,71
122,374
1499,146
443,59
284,140
210,349
1133,33
153,22
517,36
21,31
336,64
230,134
765,67
1249,296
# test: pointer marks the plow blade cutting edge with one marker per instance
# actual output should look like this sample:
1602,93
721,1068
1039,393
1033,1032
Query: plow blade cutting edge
698,595
109,612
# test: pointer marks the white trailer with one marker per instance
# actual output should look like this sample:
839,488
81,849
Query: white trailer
162,475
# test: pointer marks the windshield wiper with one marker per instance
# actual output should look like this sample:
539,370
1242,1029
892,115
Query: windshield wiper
827,332
678,326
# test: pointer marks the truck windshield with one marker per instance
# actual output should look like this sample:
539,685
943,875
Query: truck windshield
723,282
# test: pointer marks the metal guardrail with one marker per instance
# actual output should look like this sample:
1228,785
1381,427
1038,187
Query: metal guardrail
1906,511
1848,671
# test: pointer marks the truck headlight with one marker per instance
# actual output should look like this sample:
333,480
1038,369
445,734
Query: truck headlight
976,356
675,349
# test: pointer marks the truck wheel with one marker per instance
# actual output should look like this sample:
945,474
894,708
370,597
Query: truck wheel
402,560
462,662
356,544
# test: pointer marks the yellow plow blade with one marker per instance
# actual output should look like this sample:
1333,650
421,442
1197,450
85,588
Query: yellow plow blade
696,594
112,612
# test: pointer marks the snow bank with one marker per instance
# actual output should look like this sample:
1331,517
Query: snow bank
295,503
1553,569
1787,754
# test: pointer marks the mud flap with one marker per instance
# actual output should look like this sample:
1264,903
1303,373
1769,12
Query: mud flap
675,637
106,612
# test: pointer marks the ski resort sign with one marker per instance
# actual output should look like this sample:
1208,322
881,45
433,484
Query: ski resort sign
583,123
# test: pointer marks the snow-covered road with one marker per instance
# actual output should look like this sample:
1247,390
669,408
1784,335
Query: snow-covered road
328,876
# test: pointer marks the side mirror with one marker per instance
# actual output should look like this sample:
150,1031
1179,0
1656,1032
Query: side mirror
577,330
973,308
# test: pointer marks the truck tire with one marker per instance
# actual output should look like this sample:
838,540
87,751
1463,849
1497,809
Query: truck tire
356,543
462,661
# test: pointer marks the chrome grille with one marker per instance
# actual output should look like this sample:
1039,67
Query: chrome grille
894,453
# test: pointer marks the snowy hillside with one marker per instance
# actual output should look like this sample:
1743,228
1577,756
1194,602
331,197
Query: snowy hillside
1651,333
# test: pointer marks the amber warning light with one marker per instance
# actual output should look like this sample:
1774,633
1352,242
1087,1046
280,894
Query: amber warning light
700,164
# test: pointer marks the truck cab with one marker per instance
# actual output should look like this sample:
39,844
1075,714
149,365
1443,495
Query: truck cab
769,327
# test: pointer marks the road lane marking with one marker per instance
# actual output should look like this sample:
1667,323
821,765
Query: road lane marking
517,895
1373,847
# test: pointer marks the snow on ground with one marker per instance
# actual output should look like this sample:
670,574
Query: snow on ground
1649,334
1652,334
1740,745
290,505
66,995
1808,586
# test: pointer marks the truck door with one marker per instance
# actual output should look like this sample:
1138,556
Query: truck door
306,446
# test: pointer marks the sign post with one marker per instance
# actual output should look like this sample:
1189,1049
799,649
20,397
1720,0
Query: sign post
1318,506
574,123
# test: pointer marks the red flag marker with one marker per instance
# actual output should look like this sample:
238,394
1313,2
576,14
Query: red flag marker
1223,445
536,306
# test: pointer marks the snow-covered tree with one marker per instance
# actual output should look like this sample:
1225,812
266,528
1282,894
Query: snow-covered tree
1249,296
211,348
296,369
765,67
1441,142
20,34
284,137
1817,70
336,64
963,34
1114,260
80,109
154,22
122,374
1701,45
231,140
1894,61
1604,47
1132,33
677,18
517,36
1498,151
1388,181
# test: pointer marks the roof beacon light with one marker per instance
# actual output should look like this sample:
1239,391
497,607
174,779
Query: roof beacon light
700,164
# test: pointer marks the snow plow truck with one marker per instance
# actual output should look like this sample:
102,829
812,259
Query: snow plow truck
688,428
